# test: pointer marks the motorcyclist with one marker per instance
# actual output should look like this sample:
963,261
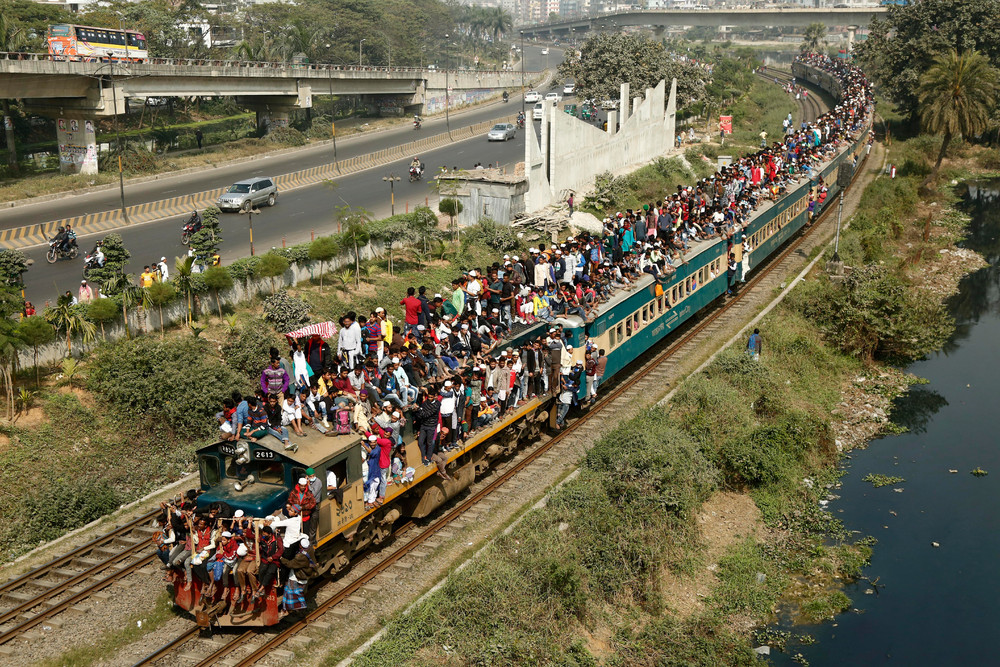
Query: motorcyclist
70,238
520,118
417,120
60,238
194,222
417,165
506,96
98,254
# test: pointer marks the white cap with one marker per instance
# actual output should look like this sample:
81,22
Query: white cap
447,383
163,259
516,258
437,296
226,533
396,414
303,481
241,550
372,438
305,542
506,256
475,368
83,282
386,404
496,310
503,354
465,326
472,273
395,360
238,514
380,309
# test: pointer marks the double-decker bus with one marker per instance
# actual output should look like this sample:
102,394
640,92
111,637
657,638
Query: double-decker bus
79,42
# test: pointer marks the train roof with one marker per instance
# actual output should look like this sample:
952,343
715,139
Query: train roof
314,448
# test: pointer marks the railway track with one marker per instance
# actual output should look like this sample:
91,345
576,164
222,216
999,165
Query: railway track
812,107
38,595
653,373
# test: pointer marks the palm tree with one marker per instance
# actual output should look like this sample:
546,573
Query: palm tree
498,22
12,38
957,96
128,291
71,321
813,36
355,235
184,268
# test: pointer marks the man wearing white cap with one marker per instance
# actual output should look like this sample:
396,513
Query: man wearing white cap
162,268
301,566
86,292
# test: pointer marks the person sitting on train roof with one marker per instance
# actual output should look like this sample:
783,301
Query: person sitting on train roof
274,425
291,413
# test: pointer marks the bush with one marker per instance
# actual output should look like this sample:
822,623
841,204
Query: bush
173,384
62,505
13,264
285,312
246,350
493,235
245,268
287,136
610,192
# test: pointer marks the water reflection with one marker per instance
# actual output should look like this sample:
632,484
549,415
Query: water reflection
978,291
915,409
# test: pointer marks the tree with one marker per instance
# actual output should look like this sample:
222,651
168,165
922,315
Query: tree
160,293
391,232
608,60
451,207
206,241
13,264
813,37
36,331
355,234
272,265
217,278
322,250
12,38
958,96
128,294
903,45
70,321
116,258
183,272
101,311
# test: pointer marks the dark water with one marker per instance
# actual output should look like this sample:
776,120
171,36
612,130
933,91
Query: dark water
938,606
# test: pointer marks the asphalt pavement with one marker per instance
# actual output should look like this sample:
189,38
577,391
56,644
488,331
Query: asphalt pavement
299,214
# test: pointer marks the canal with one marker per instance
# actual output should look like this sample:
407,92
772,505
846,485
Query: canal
934,605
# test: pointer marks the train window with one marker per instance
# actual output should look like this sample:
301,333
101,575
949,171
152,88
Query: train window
612,338
635,320
210,470
621,332
340,470
271,473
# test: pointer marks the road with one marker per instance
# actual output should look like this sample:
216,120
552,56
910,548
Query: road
299,213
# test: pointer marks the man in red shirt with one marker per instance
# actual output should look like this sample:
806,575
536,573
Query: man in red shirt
301,495
413,310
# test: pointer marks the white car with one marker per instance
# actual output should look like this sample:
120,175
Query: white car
553,97
609,104
539,109
532,96
501,132
569,88
545,52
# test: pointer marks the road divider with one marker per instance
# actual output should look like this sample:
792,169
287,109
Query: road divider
106,221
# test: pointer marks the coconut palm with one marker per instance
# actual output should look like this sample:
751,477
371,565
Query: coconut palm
355,235
130,294
70,321
957,96
498,22
12,38
813,37
184,269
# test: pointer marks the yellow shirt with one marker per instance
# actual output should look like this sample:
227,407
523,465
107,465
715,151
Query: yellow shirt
146,279
387,332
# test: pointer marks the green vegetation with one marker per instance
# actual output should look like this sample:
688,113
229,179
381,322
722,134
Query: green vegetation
878,481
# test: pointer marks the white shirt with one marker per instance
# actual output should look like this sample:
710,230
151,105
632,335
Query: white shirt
331,479
164,273
293,530
349,338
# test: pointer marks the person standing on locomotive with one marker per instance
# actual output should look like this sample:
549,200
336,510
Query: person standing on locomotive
301,496
302,566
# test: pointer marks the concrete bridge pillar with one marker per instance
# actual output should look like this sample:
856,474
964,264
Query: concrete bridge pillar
623,101
612,123
852,31
77,146
268,120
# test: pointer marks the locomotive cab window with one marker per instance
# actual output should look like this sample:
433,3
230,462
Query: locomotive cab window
210,472
271,473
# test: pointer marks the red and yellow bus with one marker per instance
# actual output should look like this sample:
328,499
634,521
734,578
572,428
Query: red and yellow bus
79,42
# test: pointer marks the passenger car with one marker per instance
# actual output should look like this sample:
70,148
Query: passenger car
545,52
569,88
538,111
553,97
501,132
532,96
242,195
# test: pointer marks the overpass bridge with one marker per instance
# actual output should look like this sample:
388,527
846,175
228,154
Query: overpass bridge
716,18
75,92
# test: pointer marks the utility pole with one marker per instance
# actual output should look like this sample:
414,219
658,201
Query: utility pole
359,51
447,101
391,179
118,138
522,72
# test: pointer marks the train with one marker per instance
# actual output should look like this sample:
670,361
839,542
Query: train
626,326
67,41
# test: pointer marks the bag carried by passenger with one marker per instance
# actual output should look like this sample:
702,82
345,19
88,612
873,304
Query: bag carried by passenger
343,421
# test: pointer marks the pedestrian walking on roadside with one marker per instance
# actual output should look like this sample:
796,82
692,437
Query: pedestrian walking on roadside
198,136
754,345
570,202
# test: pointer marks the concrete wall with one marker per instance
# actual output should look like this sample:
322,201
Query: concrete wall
573,152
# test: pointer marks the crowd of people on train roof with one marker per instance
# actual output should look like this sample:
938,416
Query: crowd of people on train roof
447,367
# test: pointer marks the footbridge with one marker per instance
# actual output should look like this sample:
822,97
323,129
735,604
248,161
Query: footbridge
797,17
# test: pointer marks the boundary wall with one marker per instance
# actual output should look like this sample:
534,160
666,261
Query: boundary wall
572,152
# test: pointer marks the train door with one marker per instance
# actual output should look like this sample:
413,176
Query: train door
340,509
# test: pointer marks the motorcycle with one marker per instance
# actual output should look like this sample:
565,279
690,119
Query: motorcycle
506,97
190,227
89,262
520,123
55,253
416,124
415,174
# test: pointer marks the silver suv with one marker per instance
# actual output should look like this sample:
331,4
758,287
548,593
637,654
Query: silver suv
243,195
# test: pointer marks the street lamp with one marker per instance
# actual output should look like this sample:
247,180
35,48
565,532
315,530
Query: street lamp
250,212
447,101
118,138
392,179
359,51
522,72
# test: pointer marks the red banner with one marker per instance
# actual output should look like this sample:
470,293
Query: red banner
726,124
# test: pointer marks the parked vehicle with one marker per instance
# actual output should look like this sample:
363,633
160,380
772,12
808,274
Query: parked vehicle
244,195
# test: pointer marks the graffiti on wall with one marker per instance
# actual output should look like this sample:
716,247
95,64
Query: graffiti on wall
77,146
457,98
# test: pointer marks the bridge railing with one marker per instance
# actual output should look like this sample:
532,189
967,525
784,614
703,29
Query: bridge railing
247,64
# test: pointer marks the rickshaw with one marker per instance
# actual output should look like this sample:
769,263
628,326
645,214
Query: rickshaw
570,109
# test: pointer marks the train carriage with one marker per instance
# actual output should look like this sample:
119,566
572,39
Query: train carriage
257,477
